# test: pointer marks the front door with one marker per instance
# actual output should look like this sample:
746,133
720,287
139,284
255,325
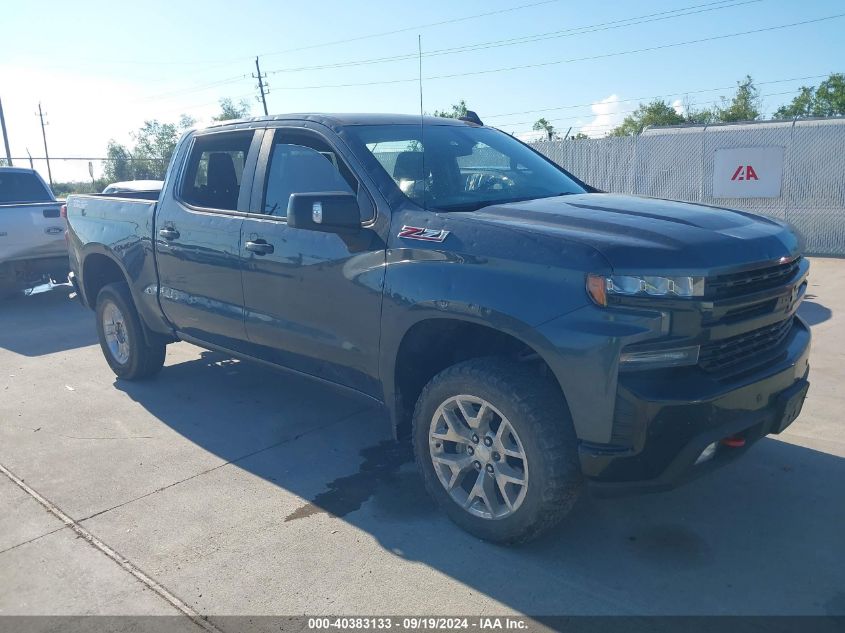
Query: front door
198,230
312,299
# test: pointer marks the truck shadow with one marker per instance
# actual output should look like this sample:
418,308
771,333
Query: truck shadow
813,312
761,535
45,323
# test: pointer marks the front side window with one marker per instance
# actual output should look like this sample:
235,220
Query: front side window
302,163
21,186
461,168
214,170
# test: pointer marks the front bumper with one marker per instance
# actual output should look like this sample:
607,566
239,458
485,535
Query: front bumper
664,421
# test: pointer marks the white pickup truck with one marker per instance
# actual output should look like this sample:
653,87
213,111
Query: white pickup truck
32,232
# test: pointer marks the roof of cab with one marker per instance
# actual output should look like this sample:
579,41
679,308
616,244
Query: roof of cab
20,170
336,120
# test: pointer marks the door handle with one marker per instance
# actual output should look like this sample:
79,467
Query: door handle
169,233
259,247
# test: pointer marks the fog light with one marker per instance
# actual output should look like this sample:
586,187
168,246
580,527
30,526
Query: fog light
707,454
654,359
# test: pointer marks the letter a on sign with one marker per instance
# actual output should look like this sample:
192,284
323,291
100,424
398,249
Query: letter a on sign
747,172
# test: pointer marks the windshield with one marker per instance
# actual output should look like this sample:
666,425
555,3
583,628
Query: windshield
21,186
461,168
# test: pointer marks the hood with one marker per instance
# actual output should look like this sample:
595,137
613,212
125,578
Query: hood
645,234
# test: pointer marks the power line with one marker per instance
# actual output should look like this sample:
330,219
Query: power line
411,28
233,60
608,127
648,98
195,88
581,116
571,60
537,37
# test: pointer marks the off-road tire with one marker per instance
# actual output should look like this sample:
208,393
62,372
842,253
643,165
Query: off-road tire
536,409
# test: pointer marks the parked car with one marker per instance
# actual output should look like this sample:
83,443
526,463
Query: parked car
32,232
525,332
134,185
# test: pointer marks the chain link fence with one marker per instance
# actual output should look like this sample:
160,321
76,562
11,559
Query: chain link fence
678,163
85,174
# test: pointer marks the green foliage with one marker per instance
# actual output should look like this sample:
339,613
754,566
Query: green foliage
826,100
544,125
64,189
458,110
580,136
119,164
229,110
746,104
148,159
658,112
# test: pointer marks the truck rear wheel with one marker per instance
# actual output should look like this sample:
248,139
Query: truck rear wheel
121,335
497,450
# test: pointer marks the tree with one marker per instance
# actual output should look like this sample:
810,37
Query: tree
148,159
826,100
658,112
580,136
746,104
458,110
118,164
802,105
544,125
229,110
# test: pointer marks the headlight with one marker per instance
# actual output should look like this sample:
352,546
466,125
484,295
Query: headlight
599,286
658,358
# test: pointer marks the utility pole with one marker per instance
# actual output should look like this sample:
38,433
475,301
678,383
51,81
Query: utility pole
5,135
46,153
261,87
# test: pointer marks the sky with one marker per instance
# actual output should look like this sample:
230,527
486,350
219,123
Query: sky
100,69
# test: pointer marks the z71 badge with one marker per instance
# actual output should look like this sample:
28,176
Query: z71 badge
426,235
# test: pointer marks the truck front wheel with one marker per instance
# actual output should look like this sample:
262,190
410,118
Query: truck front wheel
495,444
121,335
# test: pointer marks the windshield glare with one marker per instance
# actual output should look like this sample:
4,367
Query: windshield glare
461,168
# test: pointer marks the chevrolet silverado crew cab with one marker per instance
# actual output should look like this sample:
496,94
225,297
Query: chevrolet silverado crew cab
32,233
527,333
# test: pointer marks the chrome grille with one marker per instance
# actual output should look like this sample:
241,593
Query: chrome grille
757,345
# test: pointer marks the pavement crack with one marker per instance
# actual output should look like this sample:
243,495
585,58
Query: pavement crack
32,540
115,556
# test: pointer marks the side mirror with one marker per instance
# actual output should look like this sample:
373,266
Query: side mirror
330,212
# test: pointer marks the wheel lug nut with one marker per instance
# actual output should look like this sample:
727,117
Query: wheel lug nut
488,441
490,468
496,457
470,450
475,438
477,465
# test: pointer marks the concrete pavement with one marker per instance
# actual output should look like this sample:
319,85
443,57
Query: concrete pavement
238,490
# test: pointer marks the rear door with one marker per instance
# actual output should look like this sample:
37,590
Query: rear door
30,226
312,299
197,232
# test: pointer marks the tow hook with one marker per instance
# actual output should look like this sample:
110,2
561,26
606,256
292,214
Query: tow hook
734,441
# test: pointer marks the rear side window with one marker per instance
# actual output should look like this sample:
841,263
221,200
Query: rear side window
17,186
215,169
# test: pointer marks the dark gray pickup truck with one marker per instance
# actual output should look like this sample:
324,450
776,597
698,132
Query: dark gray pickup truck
527,333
